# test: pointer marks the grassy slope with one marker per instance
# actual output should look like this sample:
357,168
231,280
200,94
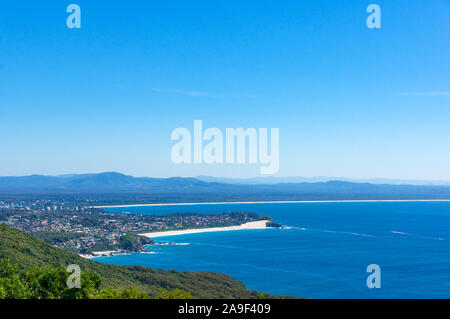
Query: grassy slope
27,251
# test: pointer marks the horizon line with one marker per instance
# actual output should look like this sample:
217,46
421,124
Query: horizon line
279,202
330,178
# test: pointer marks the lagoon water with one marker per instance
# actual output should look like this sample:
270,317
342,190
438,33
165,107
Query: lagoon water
324,254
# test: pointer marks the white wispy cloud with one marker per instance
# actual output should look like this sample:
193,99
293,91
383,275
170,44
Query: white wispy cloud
432,93
200,94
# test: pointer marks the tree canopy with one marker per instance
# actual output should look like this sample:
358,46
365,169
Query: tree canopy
51,283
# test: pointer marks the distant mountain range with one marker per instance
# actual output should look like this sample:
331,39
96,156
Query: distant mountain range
318,179
212,189
93,183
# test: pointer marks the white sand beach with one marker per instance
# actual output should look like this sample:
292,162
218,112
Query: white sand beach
100,254
261,224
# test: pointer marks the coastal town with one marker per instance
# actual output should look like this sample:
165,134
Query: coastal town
85,230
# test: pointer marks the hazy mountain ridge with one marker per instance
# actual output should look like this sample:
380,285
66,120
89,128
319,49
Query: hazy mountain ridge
193,189
319,179
110,181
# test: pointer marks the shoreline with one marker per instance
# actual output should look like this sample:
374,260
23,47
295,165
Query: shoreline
260,224
280,202
106,253
111,253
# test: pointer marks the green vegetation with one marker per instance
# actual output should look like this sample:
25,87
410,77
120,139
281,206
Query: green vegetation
57,237
27,252
51,283
133,242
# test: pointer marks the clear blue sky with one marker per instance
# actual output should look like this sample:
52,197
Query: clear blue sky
349,101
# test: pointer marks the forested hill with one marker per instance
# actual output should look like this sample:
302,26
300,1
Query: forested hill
27,251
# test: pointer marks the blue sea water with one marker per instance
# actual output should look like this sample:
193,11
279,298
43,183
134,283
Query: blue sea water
324,254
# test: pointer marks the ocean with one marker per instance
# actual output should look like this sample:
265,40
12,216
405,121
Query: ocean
324,253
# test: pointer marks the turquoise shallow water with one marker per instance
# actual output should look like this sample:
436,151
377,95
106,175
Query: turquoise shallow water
324,254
